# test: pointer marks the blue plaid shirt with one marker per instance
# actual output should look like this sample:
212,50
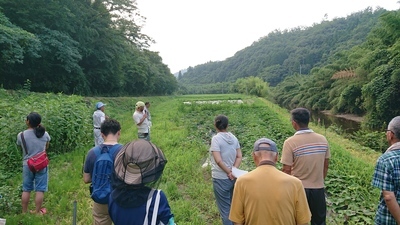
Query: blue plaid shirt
387,177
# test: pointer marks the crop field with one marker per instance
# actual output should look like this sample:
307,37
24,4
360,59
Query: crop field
182,128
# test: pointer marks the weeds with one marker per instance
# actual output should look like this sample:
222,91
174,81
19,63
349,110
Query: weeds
183,133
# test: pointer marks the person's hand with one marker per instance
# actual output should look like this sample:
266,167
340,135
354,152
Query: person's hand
230,175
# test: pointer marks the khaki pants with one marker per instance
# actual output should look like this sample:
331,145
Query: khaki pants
100,214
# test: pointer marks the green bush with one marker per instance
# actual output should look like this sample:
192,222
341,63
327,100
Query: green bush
375,140
66,118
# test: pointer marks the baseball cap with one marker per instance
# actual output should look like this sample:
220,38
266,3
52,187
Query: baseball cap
139,104
272,145
99,105
139,162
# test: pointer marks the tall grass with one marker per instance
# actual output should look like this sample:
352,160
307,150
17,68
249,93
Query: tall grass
183,133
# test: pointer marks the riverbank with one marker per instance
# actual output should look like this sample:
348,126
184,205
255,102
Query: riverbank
352,117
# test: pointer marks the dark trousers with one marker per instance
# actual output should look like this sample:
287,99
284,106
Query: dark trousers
317,203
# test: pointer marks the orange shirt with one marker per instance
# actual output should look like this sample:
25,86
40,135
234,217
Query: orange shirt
269,196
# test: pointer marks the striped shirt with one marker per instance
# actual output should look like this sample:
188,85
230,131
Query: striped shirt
306,152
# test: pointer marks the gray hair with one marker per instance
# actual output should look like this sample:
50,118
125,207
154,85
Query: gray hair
268,154
394,126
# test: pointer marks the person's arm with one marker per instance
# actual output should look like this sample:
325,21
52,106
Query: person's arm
47,146
88,166
87,178
287,169
326,165
393,206
238,159
221,164
141,121
238,223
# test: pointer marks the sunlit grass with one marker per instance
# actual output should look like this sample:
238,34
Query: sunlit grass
182,133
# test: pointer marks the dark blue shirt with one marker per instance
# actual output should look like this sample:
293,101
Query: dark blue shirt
136,215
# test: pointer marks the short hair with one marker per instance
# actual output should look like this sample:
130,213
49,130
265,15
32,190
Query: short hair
394,126
301,116
221,122
110,126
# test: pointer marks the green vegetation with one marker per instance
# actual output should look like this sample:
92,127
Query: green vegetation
79,47
182,131
347,65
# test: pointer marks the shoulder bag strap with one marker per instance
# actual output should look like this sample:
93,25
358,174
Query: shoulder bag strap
24,143
155,209
146,221
114,148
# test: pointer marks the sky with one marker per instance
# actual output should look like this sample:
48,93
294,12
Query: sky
193,32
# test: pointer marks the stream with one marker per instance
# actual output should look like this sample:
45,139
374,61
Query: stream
326,120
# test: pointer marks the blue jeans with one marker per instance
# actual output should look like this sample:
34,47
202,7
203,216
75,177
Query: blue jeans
223,191
34,181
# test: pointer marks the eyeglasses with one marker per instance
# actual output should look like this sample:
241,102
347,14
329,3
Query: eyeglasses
390,131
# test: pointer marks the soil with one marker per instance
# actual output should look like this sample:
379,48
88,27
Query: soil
352,117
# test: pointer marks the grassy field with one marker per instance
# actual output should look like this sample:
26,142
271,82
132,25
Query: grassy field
182,131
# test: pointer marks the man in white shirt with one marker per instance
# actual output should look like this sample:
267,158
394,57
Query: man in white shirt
141,121
98,118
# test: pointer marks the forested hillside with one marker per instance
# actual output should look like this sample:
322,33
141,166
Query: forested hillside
284,53
79,46
348,65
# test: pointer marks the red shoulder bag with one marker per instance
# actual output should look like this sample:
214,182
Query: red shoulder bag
38,161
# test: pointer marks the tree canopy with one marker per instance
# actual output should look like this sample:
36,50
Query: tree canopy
79,47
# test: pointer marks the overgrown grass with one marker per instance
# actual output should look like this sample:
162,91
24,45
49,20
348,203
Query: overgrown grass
183,133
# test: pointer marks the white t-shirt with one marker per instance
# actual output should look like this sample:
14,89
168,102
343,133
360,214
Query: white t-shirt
144,127
98,118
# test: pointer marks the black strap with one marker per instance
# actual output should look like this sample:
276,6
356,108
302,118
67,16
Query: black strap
23,142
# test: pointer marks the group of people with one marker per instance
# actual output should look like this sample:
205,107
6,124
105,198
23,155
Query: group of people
141,117
295,195
136,169
266,195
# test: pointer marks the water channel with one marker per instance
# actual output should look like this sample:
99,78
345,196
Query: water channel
324,119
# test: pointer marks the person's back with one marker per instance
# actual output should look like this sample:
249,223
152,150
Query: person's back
111,129
137,170
122,215
306,153
33,141
267,195
274,201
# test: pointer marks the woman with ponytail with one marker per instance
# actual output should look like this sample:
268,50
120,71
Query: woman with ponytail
36,140
225,154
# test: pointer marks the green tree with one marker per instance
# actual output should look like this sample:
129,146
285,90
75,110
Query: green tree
252,86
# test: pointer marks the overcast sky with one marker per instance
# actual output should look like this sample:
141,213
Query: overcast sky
193,32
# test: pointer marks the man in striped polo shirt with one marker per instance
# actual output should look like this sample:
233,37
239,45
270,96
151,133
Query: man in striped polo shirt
305,155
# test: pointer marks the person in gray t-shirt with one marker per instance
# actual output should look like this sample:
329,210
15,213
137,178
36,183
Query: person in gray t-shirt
36,140
225,154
